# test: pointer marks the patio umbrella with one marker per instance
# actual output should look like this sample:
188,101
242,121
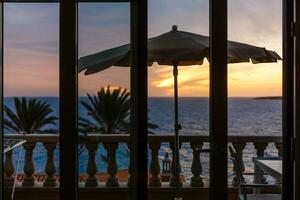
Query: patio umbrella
175,48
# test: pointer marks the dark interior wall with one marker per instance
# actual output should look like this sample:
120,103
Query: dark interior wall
297,101
1,98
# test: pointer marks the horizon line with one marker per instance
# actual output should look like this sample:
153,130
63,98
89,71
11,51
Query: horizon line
267,96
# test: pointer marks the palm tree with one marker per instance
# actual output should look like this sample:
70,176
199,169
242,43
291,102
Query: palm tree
31,116
110,111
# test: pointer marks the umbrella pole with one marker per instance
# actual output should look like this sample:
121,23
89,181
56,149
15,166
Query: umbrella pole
176,179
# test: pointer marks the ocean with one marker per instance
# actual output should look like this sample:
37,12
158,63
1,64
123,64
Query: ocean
246,116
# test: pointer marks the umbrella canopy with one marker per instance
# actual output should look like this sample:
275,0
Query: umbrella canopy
175,47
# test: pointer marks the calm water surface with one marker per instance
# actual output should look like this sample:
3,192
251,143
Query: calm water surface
247,116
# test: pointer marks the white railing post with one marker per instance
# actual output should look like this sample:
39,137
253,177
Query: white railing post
29,165
260,151
196,180
174,180
91,166
112,167
50,170
279,148
9,169
154,165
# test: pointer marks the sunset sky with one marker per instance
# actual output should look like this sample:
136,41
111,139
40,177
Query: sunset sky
31,46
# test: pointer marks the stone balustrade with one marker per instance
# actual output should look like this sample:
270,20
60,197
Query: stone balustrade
111,143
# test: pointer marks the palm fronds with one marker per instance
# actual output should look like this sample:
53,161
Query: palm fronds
31,116
110,112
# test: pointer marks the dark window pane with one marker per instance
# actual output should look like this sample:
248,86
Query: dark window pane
104,119
31,101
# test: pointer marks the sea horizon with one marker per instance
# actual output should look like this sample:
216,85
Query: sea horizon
33,96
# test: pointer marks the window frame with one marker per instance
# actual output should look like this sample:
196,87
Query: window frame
288,108
68,99
1,101
218,96
139,100
296,150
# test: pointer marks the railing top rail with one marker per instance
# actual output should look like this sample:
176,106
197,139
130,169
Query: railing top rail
155,138
34,137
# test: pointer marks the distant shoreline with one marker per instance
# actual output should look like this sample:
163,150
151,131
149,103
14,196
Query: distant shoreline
269,98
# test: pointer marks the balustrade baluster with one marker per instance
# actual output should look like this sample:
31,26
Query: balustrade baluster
260,151
260,148
29,165
50,143
174,180
92,166
279,148
112,167
154,165
196,180
50,170
239,147
9,169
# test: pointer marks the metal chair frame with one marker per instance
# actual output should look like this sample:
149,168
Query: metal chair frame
241,183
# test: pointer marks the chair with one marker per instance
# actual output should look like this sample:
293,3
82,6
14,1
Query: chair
242,185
